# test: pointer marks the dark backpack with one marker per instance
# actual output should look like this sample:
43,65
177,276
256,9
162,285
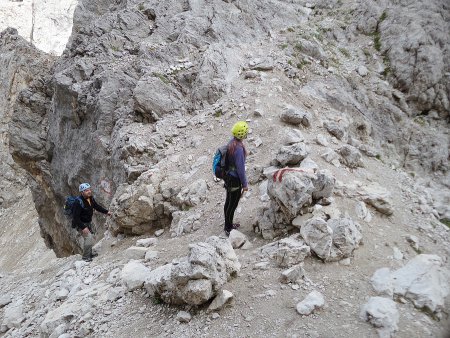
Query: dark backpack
219,166
69,204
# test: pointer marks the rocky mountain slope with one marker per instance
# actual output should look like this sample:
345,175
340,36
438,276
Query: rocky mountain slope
351,95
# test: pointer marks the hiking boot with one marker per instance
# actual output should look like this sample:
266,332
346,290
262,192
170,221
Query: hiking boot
94,254
87,259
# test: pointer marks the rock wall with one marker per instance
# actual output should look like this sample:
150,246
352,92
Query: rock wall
22,67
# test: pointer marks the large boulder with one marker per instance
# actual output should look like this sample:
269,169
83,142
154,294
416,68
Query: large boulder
292,154
141,207
197,278
287,252
423,280
292,189
332,240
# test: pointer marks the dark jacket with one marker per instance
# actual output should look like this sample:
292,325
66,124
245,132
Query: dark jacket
82,216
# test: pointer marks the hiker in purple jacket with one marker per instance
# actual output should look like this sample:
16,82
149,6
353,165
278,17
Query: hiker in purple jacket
235,179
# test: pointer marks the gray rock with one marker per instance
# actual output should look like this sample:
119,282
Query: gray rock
322,140
237,239
151,255
164,99
196,278
313,301
146,242
382,313
5,300
331,240
135,252
222,298
292,154
184,222
134,274
423,280
293,274
362,70
351,157
379,198
13,315
331,156
335,129
292,136
295,116
184,317
411,239
287,251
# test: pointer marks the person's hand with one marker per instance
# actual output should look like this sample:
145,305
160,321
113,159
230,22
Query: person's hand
85,231
244,190
109,213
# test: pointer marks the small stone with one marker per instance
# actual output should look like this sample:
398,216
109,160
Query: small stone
184,317
397,254
159,232
362,70
345,261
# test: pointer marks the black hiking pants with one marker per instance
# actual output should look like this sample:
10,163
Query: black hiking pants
234,189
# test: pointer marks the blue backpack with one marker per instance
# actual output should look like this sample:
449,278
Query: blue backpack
70,202
219,166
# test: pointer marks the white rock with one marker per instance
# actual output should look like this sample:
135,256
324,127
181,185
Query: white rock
424,281
61,315
397,254
134,275
382,282
135,252
381,313
237,239
222,298
345,261
362,211
261,266
13,315
362,70
60,329
293,274
184,317
61,294
146,242
159,232
314,300
5,300
412,240
151,255
322,140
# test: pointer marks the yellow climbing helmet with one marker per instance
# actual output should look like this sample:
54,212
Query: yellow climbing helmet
240,130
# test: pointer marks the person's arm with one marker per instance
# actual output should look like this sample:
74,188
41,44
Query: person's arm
239,162
98,207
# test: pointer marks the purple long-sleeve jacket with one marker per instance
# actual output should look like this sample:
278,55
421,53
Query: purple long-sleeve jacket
237,163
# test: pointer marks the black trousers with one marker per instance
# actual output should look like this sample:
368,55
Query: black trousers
234,190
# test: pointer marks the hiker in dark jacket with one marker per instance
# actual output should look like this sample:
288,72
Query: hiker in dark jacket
82,218
236,179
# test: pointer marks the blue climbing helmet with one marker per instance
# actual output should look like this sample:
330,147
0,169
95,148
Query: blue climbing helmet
84,186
